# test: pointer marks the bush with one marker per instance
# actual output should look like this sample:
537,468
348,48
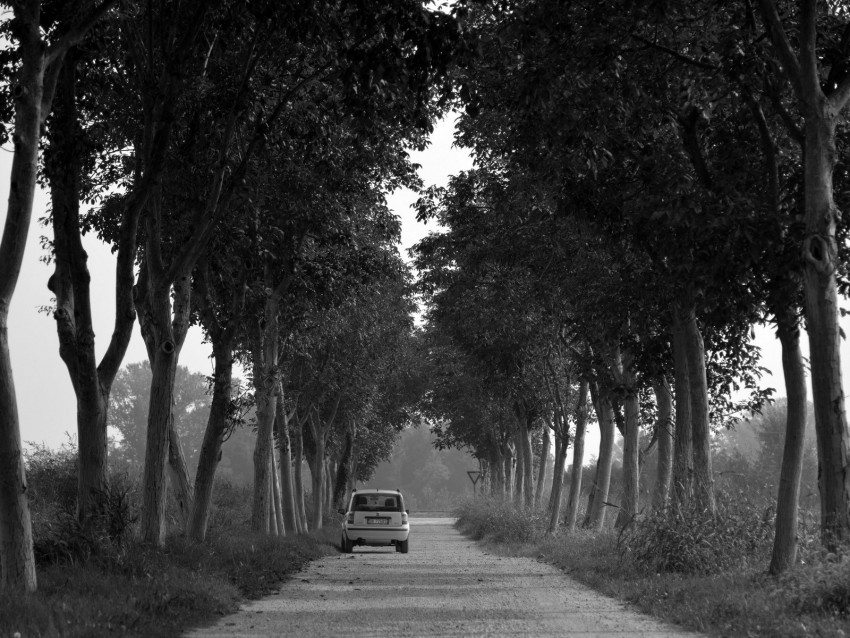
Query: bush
696,542
500,521
58,535
823,586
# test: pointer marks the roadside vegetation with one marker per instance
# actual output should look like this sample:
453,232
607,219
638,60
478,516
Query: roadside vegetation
104,582
702,573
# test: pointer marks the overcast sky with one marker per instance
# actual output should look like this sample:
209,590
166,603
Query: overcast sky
45,399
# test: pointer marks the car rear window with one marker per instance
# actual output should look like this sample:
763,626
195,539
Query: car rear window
376,503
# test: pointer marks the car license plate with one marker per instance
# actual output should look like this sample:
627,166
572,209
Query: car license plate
378,521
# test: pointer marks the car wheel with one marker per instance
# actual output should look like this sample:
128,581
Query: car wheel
346,545
403,546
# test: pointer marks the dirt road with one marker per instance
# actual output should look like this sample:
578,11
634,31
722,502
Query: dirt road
446,586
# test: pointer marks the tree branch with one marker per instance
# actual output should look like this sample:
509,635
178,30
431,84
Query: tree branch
782,45
675,54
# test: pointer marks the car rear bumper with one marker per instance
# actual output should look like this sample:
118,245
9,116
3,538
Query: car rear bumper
361,535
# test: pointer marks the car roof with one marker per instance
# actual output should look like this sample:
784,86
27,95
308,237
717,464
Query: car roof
376,491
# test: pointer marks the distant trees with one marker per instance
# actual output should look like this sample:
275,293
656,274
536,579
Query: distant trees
128,408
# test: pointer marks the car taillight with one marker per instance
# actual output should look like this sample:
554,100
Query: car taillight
404,518
351,518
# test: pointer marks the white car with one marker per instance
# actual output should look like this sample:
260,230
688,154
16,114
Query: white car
375,517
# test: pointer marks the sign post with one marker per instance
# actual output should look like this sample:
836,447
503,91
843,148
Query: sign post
474,476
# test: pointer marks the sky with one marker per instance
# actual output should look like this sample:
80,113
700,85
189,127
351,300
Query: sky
46,403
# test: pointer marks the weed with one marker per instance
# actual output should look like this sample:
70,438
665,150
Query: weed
691,541
499,521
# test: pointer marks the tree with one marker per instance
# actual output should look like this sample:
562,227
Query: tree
37,60
820,105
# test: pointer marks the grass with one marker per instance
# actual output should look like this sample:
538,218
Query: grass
738,598
157,592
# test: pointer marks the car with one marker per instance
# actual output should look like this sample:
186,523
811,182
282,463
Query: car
375,517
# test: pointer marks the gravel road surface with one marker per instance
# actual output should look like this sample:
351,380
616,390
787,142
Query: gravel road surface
446,586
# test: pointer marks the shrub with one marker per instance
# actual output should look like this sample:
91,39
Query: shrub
823,586
58,535
696,542
500,521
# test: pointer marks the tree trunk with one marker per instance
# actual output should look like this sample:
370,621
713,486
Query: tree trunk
700,431
327,495
631,477
525,465
821,260
210,454
561,444
510,470
179,473
821,113
683,454
163,368
287,487
543,465
16,550
516,471
607,429
664,436
497,475
344,469
578,457
785,540
163,329
272,517
70,284
551,503
317,472
557,489
276,496
621,362
262,450
298,474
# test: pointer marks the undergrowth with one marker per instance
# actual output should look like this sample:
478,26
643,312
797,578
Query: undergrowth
707,574
99,580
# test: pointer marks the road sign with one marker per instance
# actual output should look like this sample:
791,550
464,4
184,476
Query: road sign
474,476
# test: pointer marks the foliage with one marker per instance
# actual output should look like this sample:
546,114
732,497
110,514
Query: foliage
697,542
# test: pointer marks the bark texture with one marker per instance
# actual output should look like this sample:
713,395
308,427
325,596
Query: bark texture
578,457
607,428
787,502
700,430
542,465
683,453
287,485
664,436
